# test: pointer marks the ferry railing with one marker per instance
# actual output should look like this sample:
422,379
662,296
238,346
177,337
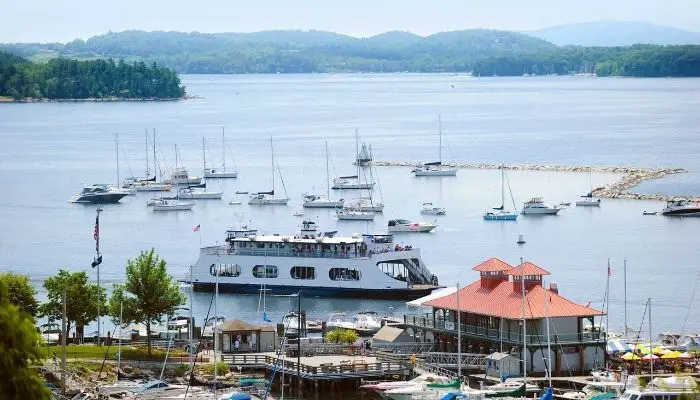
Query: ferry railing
281,253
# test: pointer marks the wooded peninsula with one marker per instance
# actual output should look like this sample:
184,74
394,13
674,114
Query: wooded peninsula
67,79
476,51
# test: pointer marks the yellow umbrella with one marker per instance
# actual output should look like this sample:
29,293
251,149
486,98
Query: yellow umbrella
630,357
660,350
671,355
642,348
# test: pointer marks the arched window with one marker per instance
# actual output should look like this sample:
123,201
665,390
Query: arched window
302,272
265,271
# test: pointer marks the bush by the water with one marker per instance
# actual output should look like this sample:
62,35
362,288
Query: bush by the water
343,336
221,368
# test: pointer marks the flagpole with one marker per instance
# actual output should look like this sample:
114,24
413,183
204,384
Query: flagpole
98,260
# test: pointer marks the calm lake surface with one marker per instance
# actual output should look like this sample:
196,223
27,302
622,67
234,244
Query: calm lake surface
48,150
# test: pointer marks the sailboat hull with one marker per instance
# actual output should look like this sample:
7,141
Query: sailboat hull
324,204
220,174
352,186
435,172
355,216
268,202
500,217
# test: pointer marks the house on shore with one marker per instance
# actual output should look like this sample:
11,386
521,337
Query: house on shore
492,310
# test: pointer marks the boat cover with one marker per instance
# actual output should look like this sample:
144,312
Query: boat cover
519,392
452,384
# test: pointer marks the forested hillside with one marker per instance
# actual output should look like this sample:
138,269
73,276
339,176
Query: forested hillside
484,52
62,78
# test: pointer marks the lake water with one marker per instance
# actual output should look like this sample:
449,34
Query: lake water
48,150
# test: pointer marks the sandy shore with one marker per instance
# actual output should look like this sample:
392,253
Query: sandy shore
620,189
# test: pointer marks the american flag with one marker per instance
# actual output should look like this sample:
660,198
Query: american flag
413,227
196,228
96,233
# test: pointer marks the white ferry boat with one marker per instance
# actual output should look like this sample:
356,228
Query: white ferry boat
320,264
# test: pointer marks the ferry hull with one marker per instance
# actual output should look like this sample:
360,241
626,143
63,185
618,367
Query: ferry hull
318,291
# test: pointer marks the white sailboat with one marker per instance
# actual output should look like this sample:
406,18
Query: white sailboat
500,213
268,198
588,200
148,184
357,212
316,201
436,168
197,194
219,172
364,157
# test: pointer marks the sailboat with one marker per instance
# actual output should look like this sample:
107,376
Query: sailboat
436,168
149,184
216,172
368,203
268,198
350,213
588,200
500,213
316,201
364,157
127,190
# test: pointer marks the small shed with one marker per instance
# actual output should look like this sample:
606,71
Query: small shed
390,334
499,365
252,338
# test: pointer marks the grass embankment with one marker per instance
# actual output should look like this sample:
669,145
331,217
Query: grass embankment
74,352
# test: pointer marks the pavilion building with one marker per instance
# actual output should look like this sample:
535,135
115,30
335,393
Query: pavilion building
492,312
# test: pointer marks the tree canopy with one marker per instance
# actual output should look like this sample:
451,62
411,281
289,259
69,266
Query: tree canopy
480,51
81,299
148,294
18,351
62,78
20,292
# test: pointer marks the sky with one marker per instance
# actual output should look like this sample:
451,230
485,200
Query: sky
65,20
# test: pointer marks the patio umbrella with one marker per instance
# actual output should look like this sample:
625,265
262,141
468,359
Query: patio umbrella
650,357
642,349
660,350
685,355
671,355
630,357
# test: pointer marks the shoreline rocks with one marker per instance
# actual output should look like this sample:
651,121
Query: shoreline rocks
631,177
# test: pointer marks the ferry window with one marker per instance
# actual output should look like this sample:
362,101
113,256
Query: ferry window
303,273
395,269
227,270
265,271
344,274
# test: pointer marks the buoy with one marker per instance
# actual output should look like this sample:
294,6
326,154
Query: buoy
521,239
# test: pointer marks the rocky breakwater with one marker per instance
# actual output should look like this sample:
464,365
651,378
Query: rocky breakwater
631,177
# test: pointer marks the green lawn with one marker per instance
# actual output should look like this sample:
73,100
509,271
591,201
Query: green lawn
74,352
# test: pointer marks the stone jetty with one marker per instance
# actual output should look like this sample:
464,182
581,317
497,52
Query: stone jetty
631,177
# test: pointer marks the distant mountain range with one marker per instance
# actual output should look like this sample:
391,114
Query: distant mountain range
615,33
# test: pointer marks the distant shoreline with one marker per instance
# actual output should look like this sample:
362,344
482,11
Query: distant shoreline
620,189
5,99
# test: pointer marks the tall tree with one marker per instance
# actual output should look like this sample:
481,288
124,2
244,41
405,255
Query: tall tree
18,350
20,292
148,294
81,299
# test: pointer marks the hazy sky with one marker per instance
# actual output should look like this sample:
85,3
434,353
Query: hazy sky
64,20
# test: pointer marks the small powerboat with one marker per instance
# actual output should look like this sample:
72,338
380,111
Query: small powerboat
172,205
429,209
339,321
649,213
404,225
98,194
537,206
681,208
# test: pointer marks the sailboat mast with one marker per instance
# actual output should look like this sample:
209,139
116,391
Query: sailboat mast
223,145
522,310
328,185
624,272
503,200
272,165
116,141
155,165
440,140
148,173
204,157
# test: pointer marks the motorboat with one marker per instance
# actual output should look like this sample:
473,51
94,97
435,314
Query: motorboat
180,176
436,168
349,214
351,182
674,387
367,323
316,201
649,212
172,205
681,208
423,378
366,204
197,194
512,385
339,321
314,326
537,206
588,201
98,194
597,388
404,225
424,390
429,209
267,198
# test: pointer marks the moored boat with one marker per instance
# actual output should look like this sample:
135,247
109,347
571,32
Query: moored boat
436,168
430,209
351,214
404,225
172,205
320,264
537,206
681,208
98,194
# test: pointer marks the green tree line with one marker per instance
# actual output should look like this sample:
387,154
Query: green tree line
479,51
62,78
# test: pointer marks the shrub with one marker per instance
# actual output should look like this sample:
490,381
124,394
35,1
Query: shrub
343,336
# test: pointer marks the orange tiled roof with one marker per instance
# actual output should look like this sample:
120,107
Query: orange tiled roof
493,265
529,269
503,301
